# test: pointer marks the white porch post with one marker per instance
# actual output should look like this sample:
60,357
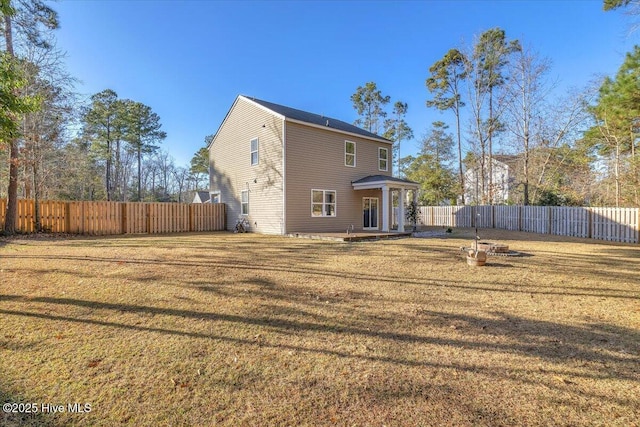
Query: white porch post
385,208
415,203
401,201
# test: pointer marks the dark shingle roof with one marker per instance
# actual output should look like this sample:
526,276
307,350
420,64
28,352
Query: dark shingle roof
204,196
316,119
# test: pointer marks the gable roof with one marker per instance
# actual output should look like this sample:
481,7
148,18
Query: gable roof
304,117
316,119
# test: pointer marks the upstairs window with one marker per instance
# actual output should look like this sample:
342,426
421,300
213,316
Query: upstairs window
254,152
383,159
350,154
323,203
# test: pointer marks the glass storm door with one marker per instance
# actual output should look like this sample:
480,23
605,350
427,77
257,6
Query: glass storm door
370,213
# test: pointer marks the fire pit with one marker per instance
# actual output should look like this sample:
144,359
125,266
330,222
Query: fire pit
493,248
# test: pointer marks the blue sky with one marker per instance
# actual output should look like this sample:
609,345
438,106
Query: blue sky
188,60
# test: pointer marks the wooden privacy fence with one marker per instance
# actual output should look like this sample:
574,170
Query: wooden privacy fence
612,224
102,218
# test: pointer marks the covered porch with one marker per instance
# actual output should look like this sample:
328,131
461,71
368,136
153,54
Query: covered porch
388,184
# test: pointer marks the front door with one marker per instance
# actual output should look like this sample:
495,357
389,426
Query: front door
370,213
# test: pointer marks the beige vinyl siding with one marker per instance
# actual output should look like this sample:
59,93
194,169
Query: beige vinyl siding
316,160
232,172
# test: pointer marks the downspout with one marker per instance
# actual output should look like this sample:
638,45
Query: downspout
284,175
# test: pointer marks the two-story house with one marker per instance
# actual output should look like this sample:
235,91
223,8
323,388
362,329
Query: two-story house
286,171
502,181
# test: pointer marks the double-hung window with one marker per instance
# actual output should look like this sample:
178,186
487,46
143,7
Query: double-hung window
244,202
323,203
383,159
254,152
350,154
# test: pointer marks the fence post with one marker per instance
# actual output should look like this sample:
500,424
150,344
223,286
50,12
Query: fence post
123,218
493,216
82,217
147,213
519,217
637,225
67,217
191,213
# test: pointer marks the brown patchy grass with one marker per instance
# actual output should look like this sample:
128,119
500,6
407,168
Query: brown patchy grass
223,329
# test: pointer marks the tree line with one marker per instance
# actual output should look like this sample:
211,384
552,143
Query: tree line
576,148
54,145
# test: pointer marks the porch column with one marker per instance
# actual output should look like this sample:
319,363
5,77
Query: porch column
385,208
415,203
401,201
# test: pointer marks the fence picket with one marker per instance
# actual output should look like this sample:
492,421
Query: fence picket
611,224
105,218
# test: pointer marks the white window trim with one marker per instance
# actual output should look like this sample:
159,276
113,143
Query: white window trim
257,151
349,154
386,150
324,204
242,203
212,194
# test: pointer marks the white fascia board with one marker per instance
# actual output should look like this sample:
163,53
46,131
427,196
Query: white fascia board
367,186
313,125
385,183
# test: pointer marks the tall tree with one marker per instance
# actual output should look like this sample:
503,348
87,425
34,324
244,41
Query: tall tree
397,130
525,106
143,132
438,143
557,149
45,130
199,167
491,54
32,19
437,183
447,75
617,129
103,126
79,175
180,179
369,102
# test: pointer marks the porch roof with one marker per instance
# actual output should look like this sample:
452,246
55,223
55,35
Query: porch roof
381,181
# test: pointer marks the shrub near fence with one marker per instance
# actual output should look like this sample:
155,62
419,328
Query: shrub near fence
612,224
104,218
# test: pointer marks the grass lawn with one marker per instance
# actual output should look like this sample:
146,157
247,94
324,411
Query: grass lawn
224,329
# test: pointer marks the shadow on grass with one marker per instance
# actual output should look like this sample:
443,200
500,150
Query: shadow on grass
237,263
604,351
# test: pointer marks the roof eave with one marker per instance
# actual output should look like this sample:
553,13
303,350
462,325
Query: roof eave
344,132
371,185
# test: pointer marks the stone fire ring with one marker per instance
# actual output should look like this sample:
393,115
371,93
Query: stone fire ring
493,249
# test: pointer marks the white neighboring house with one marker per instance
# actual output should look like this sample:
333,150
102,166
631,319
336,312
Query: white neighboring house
503,179
203,197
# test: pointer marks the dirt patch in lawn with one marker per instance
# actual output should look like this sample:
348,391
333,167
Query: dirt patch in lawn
224,329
